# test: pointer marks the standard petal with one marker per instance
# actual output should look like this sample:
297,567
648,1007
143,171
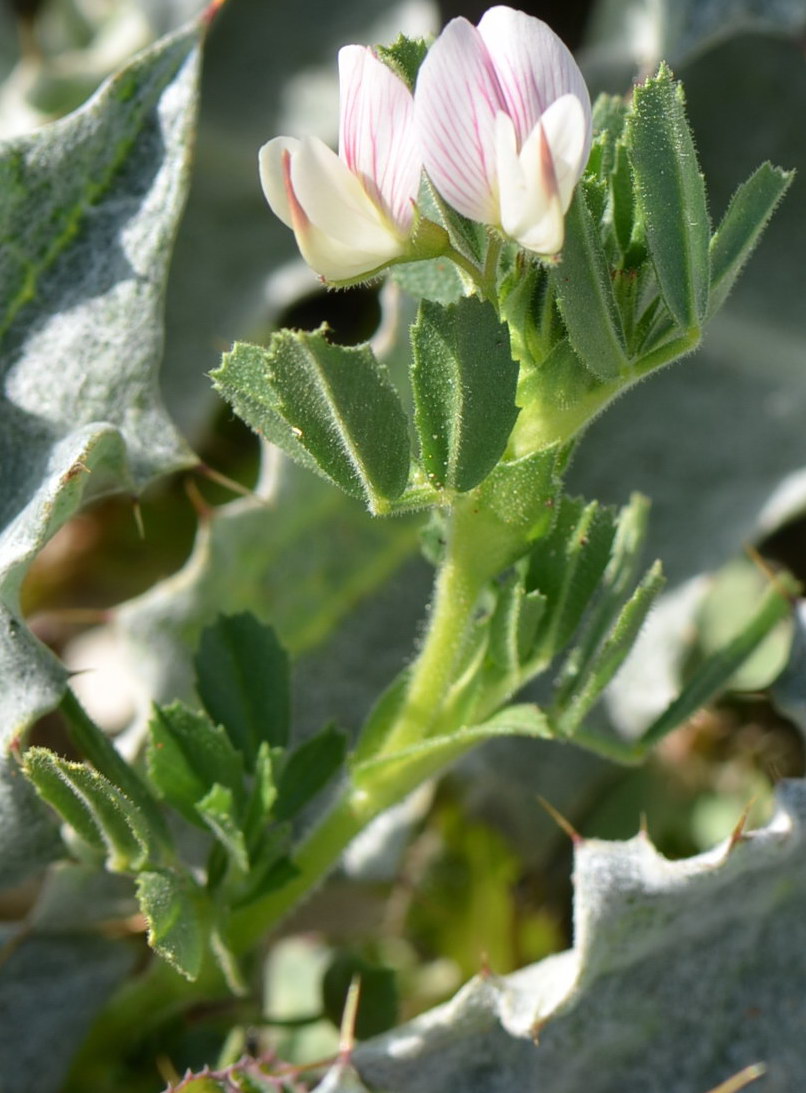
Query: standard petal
272,176
377,136
566,129
534,67
456,100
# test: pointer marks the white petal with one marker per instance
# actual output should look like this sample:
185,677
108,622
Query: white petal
334,199
456,100
530,207
272,176
377,136
347,234
338,261
566,130
534,67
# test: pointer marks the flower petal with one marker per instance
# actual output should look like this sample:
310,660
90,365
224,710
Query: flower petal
530,206
534,67
272,176
377,135
456,100
334,199
567,132
337,261
340,231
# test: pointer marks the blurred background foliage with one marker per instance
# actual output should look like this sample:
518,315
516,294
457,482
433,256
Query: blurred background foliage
717,442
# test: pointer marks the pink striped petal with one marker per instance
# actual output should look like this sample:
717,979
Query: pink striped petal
533,66
377,136
456,100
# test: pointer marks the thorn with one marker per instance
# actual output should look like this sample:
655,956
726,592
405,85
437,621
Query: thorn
742,1079
348,1018
202,509
561,822
643,826
485,971
137,512
227,483
737,834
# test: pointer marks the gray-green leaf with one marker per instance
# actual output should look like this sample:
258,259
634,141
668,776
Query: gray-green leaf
88,211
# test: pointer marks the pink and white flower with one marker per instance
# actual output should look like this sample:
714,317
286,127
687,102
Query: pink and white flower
505,122
352,213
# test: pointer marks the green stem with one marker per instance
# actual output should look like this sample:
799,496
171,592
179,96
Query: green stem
456,592
468,267
489,274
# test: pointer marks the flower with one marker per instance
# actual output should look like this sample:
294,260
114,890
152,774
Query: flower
352,213
505,123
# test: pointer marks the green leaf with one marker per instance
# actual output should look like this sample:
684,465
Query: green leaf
272,868
521,493
307,770
671,193
96,747
609,118
464,382
626,221
513,626
414,764
436,279
744,222
186,755
178,918
219,812
242,679
611,654
331,408
585,294
404,56
716,670
98,811
567,567
621,573
382,717
262,797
